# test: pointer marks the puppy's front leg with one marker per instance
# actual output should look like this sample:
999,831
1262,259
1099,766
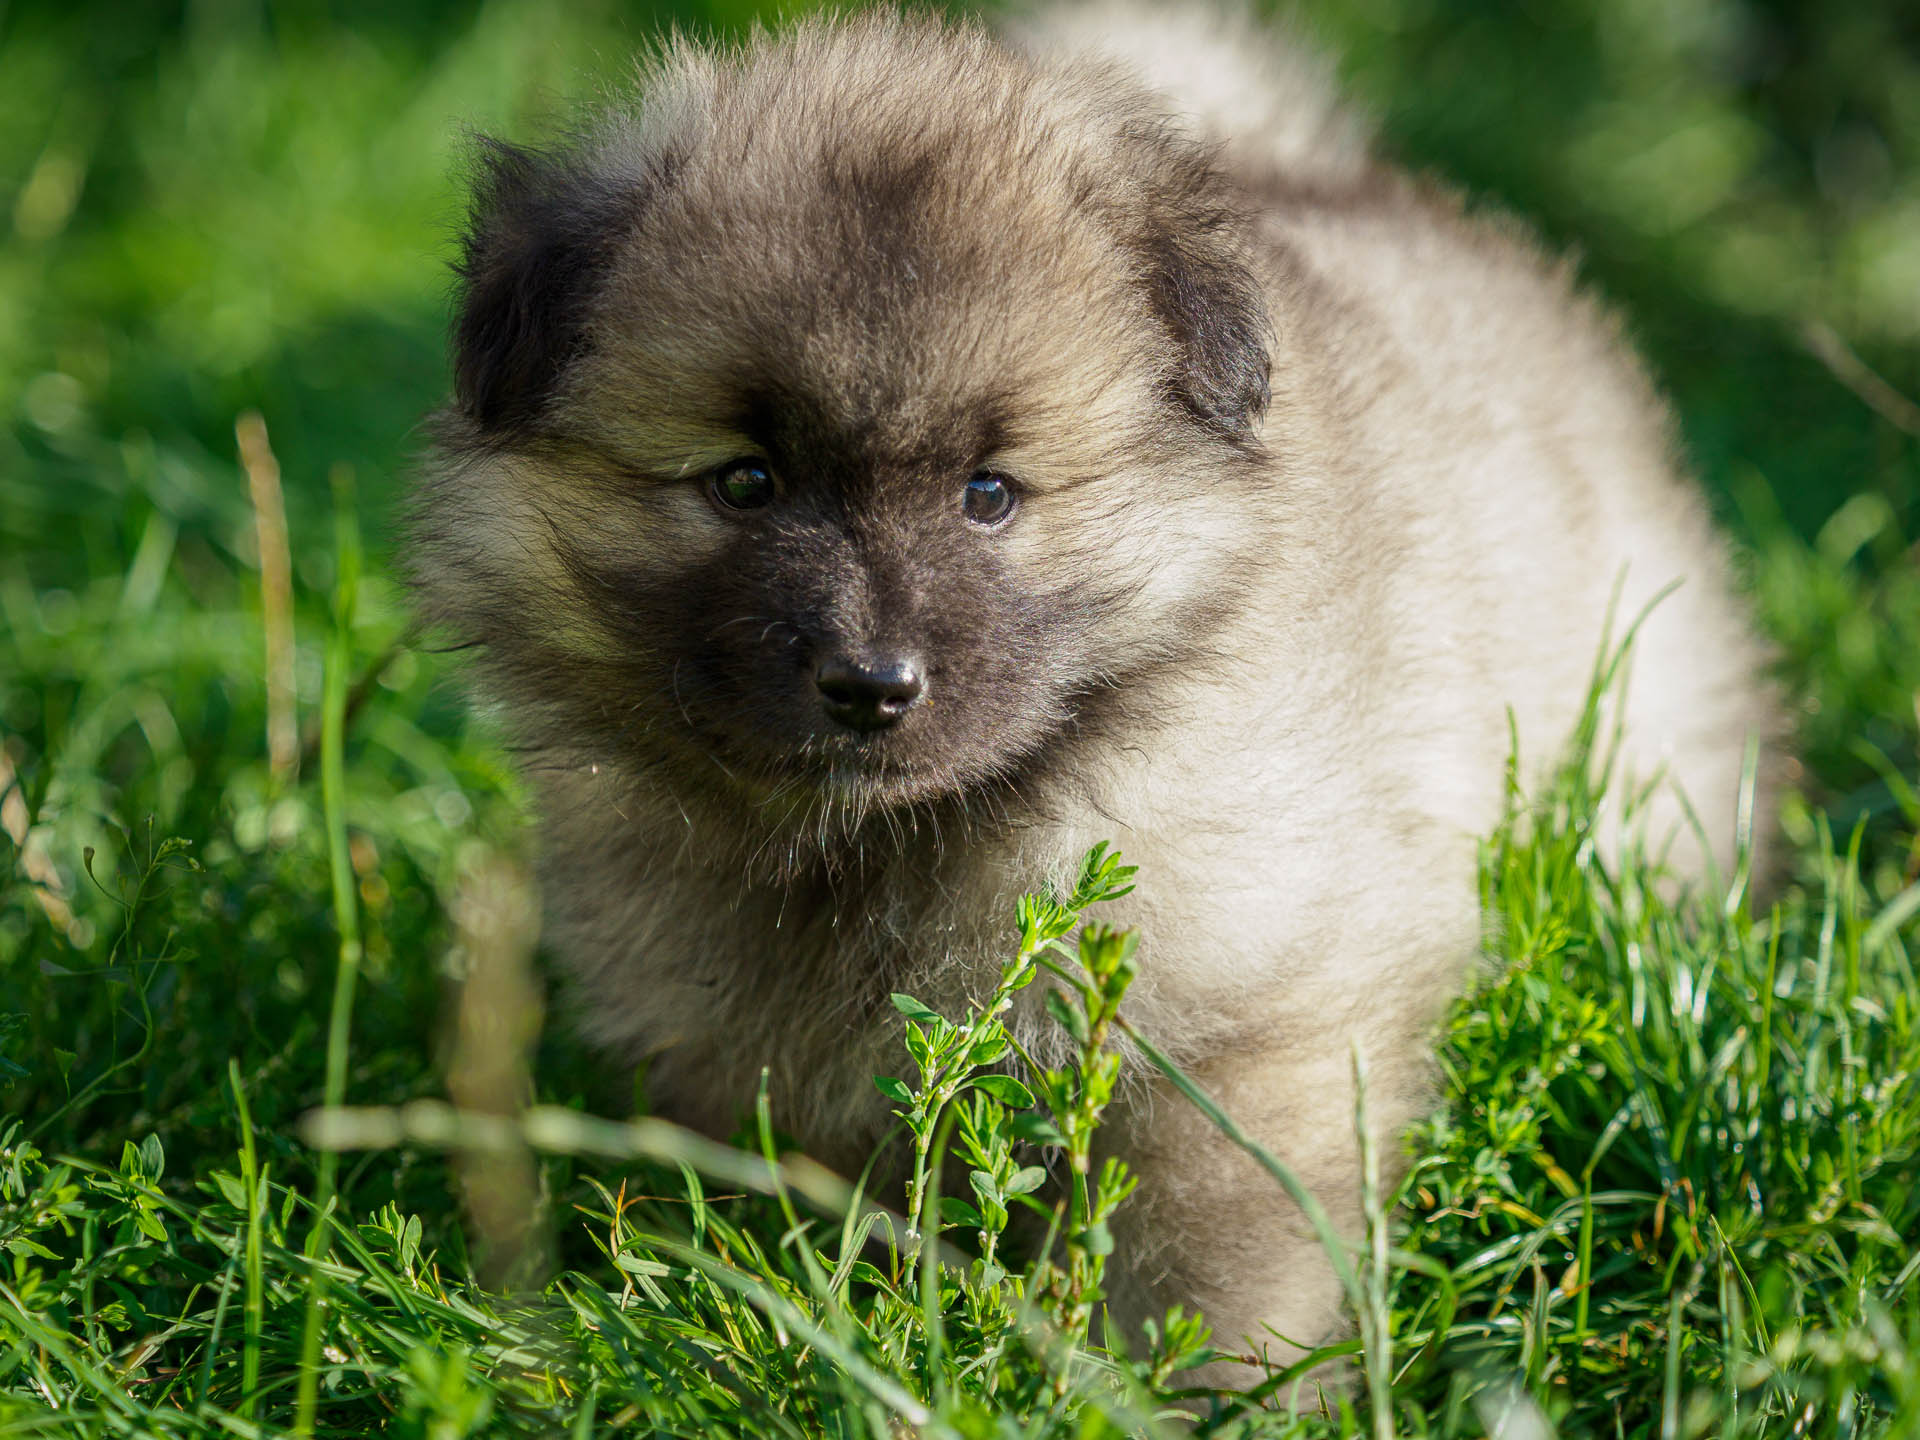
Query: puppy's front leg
1210,1229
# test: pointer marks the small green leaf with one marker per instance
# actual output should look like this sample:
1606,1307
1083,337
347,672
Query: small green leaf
918,1048
1035,1129
1096,1239
989,1047
956,1211
149,1224
914,1010
1069,1013
1027,1180
231,1190
1007,1090
894,1090
153,1159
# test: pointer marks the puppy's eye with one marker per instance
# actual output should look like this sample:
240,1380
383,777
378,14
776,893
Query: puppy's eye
741,485
989,499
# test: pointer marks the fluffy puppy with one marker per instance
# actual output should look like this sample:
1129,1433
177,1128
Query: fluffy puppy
887,459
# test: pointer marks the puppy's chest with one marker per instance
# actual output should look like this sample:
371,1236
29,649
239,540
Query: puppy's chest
799,985
822,959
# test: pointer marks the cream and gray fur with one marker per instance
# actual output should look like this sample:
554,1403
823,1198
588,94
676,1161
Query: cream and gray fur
1319,476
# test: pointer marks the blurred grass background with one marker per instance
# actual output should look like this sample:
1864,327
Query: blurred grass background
229,203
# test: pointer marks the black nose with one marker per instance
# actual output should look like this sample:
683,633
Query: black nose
869,694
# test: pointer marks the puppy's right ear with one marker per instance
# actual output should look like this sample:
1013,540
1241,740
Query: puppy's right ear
542,230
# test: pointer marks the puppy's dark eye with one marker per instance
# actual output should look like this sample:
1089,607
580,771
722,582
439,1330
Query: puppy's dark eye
989,499
741,485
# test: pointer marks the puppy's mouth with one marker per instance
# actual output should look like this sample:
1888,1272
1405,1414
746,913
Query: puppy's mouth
842,771
872,734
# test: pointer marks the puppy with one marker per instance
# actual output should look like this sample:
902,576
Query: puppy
887,459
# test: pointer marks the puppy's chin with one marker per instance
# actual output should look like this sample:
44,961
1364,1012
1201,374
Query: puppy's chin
822,802
860,773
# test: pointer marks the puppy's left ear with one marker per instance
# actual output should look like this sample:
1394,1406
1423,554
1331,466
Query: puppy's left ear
1194,263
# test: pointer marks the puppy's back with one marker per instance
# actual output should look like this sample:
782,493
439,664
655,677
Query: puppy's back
1505,461
1264,92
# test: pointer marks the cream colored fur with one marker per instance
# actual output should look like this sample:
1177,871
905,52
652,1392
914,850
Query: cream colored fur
1495,464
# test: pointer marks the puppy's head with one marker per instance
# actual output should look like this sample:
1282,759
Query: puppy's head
837,424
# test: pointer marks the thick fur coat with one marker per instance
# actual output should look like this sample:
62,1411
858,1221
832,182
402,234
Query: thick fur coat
1314,478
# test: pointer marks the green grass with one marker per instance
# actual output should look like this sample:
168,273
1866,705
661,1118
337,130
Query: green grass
1673,1187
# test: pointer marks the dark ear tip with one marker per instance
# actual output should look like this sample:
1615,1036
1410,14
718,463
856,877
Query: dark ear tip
1206,294
1221,322
497,170
539,236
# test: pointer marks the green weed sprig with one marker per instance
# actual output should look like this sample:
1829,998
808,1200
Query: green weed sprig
953,1057
1075,1096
